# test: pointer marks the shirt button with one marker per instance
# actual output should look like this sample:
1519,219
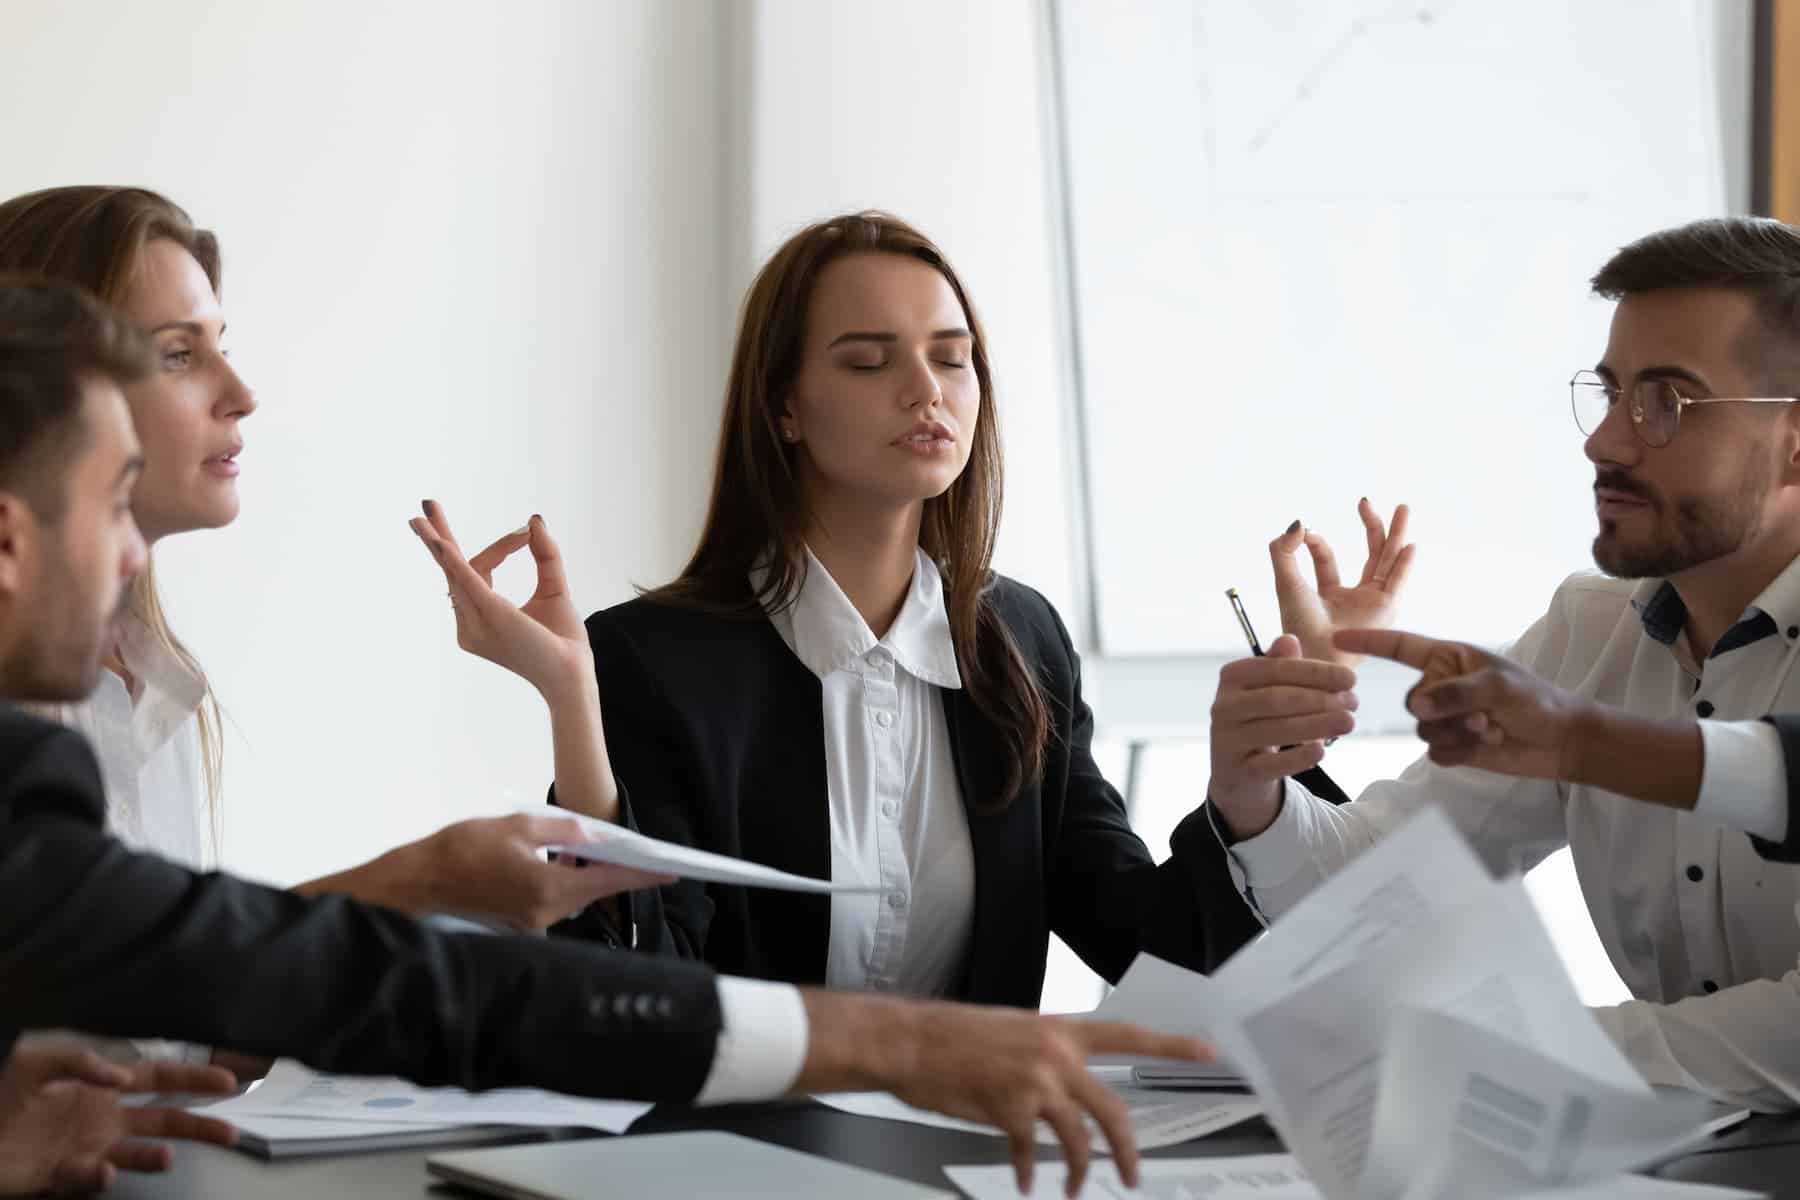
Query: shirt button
890,809
1696,874
878,658
1704,708
896,901
884,719
1708,986
1794,631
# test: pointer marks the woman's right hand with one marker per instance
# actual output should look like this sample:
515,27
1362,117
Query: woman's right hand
543,640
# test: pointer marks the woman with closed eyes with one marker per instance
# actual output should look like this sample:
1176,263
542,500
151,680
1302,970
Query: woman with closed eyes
839,685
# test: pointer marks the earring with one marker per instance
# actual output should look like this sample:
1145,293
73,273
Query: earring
790,435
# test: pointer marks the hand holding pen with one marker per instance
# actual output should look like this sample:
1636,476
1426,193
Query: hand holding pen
1271,718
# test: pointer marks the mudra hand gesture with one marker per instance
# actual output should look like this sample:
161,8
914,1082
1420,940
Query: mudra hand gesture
1313,613
542,640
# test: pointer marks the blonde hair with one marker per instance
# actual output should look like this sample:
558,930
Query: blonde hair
91,236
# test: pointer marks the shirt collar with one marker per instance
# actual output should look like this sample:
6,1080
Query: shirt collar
1776,609
827,633
169,691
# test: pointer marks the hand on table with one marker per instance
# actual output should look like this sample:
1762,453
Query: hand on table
1003,1067
63,1129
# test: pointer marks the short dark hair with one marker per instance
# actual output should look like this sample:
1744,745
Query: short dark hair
52,335
1756,256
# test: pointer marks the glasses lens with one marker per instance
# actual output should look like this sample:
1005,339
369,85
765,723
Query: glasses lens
1657,409
1590,399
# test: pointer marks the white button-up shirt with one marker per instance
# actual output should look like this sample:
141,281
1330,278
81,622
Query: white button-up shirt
896,810
147,739
1700,928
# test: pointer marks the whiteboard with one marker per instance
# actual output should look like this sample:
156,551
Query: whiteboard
1327,248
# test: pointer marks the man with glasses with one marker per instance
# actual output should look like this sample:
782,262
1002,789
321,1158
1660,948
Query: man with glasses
1649,681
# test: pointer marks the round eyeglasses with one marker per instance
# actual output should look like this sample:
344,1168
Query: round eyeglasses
1655,405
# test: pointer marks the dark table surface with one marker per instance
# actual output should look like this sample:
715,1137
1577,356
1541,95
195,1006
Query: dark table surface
1763,1154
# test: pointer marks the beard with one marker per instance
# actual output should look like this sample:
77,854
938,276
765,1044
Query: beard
59,662
1704,527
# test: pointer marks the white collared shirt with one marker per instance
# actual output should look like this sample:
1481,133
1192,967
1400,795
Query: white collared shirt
896,811
147,739
1700,928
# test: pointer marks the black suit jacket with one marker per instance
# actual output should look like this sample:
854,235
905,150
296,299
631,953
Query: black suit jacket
716,735
98,938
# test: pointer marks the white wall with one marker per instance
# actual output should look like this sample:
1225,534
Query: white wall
472,251
934,111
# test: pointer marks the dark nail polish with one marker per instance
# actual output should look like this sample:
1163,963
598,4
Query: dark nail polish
1294,528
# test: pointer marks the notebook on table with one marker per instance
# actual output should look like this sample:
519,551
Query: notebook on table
665,1166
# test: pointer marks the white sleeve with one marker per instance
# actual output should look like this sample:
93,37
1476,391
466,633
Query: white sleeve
1512,824
762,1043
1737,1045
1744,780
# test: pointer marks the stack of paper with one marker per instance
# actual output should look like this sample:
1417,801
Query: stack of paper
296,1110
1412,1033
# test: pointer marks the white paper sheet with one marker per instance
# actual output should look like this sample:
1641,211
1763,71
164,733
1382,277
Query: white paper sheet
294,1091
1319,1049
1414,879
1313,1013
1272,1177
1162,996
1160,1118
1252,1177
1465,1111
626,848
1638,1187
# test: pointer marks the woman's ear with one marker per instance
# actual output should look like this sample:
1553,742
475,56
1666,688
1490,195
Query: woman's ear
790,428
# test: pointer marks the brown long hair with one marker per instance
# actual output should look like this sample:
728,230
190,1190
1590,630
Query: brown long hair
758,512
91,236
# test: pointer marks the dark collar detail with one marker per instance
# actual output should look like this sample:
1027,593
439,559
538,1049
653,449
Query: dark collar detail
1753,628
1664,614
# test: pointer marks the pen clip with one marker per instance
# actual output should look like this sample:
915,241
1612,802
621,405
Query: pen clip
1243,619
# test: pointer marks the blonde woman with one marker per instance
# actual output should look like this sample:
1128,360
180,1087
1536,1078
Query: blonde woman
154,722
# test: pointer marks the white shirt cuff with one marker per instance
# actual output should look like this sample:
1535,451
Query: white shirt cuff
1272,857
1744,778
762,1043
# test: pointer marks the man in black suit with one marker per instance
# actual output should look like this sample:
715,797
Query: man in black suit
98,938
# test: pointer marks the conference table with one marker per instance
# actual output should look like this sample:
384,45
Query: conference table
1762,1154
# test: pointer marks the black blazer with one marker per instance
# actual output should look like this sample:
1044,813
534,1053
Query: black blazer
716,735
98,938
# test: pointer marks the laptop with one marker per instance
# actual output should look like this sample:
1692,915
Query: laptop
665,1166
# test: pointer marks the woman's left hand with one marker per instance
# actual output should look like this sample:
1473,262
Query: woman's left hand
543,640
1312,614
